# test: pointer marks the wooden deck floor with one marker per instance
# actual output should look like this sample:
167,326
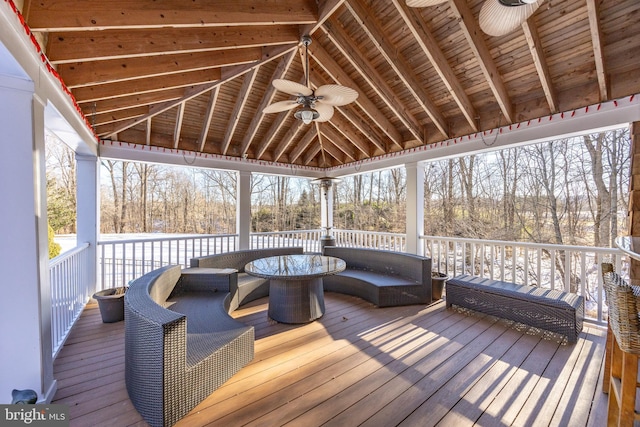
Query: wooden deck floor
361,365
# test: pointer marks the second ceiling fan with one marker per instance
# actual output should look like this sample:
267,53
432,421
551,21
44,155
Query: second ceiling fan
497,17
317,105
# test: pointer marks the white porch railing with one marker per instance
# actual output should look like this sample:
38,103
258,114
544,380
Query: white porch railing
120,261
568,268
308,239
371,239
71,285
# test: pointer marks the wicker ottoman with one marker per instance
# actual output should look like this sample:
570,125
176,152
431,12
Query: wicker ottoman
551,310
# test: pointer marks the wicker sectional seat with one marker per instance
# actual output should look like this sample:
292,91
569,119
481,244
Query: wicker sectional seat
381,277
551,310
248,287
180,342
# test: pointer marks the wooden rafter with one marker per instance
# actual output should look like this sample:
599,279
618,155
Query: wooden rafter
286,140
152,84
131,101
279,73
326,9
598,54
178,127
208,116
270,135
241,101
271,54
535,47
303,144
59,15
117,116
338,141
337,73
430,47
371,26
118,44
473,34
366,70
117,70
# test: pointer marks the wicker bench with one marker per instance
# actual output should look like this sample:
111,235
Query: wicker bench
248,287
381,277
180,342
551,310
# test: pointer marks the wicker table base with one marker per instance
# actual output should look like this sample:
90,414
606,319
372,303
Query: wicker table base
296,301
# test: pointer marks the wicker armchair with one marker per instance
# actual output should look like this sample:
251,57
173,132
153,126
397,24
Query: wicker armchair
623,347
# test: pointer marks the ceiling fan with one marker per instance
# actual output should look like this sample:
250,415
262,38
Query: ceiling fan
497,17
317,105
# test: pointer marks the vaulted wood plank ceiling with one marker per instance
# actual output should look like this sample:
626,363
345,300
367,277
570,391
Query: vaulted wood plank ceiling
196,75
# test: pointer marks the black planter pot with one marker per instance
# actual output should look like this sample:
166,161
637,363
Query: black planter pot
111,304
438,281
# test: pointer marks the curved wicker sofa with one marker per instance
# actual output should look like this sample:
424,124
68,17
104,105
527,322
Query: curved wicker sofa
180,342
382,277
248,288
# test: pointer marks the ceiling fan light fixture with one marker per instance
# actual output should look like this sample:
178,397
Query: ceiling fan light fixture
306,114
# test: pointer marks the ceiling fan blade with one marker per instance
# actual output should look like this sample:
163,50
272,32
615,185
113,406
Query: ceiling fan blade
424,3
496,19
292,88
325,112
336,95
277,107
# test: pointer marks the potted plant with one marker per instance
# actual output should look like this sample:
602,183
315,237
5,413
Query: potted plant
438,280
111,304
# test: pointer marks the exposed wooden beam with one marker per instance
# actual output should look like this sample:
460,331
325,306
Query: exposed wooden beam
152,84
269,94
371,26
241,101
286,140
72,15
338,141
208,116
363,126
598,54
430,47
269,55
312,152
126,102
118,44
338,74
116,116
115,70
539,60
302,145
473,34
328,147
178,127
341,125
367,71
326,8
270,135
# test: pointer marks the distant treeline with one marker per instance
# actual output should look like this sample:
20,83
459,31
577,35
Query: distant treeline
572,191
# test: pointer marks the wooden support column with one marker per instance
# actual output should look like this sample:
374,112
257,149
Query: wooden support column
634,199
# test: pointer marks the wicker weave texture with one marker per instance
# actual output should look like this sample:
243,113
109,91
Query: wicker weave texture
239,259
174,358
383,278
247,288
555,311
623,301
296,301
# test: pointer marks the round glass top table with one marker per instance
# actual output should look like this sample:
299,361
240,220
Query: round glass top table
295,284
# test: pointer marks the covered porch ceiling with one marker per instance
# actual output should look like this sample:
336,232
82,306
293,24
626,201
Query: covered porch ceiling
196,76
